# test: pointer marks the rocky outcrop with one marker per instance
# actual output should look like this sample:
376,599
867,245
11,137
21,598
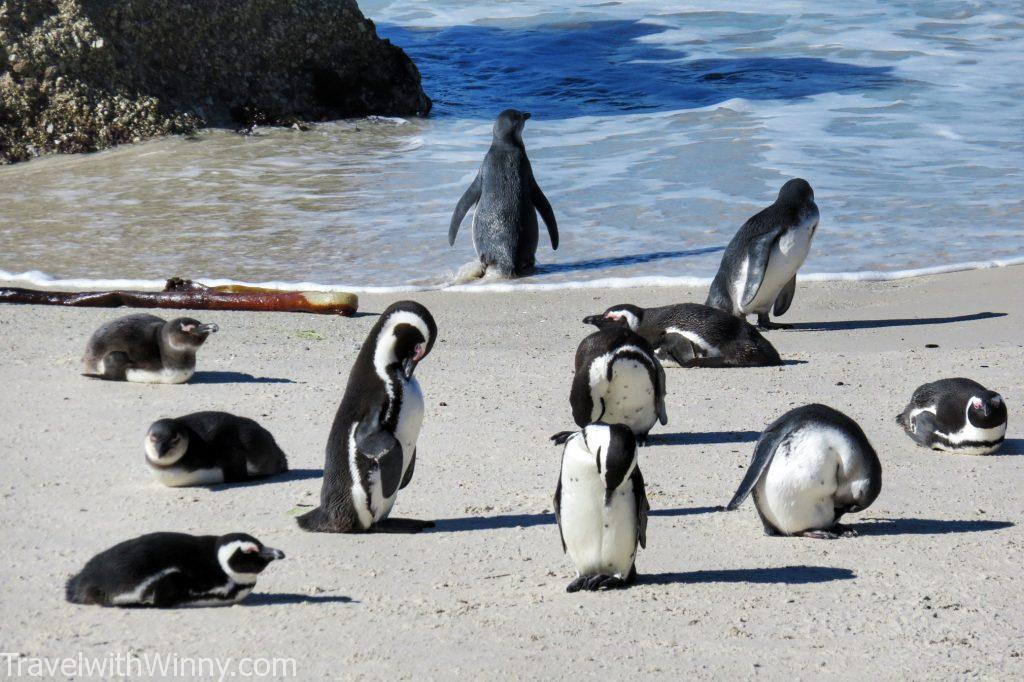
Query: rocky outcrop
80,75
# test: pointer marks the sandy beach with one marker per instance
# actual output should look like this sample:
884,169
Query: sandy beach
931,589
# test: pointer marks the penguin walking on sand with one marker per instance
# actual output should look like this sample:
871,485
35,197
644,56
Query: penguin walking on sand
957,415
146,348
693,335
371,452
507,199
811,466
618,381
601,506
758,270
173,569
205,448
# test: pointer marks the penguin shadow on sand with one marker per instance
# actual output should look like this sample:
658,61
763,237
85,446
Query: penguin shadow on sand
781,575
703,438
1010,447
912,526
850,325
283,477
290,599
502,521
217,377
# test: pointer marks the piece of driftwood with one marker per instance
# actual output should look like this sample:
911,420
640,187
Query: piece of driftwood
184,293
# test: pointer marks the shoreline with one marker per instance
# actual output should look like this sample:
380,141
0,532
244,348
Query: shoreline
931,587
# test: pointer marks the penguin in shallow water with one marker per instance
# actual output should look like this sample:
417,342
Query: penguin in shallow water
618,381
173,569
958,415
693,335
146,348
758,270
811,466
507,199
371,452
601,506
205,448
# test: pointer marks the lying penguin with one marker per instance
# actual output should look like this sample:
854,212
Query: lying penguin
758,269
693,335
811,466
371,452
618,381
957,415
146,348
205,448
507,199
172,569
601,506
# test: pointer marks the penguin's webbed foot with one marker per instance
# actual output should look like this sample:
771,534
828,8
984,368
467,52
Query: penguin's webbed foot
401,526
594,583
576,585
834,533
764,324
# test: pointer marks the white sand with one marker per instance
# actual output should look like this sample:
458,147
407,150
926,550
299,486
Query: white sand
932,588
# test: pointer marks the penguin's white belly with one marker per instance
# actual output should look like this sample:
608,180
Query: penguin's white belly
982,441
629,397
176,478
161,376
600,539
788,254
798,491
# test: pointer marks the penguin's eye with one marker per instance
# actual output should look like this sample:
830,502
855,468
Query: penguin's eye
249,549
976,403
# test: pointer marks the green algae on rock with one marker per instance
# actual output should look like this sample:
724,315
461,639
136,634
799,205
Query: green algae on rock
82,75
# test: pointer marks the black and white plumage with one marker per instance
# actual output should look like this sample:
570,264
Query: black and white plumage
507,199
205,448
693,335
759,266
811,466
601,505
957,415
371,452
146,348
618,381
172,569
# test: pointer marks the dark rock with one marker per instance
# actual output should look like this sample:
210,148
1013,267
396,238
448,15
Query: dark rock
81,75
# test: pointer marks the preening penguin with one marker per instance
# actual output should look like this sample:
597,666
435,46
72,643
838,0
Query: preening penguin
601,506
205,448
146,348
693,335
618,381
811,466
958,415
371,452
758,270
507,199
173,569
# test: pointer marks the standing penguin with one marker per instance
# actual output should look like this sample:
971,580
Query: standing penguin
204,448
758,270
958,415
371,452
172,569
693,335
601,506
618,381
811,466
146,348
506,197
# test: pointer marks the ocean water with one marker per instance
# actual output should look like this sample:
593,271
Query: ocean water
657,129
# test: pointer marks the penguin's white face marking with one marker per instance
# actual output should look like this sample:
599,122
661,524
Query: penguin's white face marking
626,315
179,446
977,403
227,551
384,354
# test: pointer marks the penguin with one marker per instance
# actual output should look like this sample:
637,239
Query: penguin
758,270
146,348
371,451
693,335
957,415
172,569
618,381
601,506
811,466
506,196
205,448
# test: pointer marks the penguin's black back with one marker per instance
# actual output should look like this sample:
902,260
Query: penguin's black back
138,335
230,441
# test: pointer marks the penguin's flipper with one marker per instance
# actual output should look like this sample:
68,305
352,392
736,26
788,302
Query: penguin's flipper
580,398
679,348
785,298
540,202
469,197
922,428
758,251
558,510
659,400
763,454
642,505
374,442
408,472
170,590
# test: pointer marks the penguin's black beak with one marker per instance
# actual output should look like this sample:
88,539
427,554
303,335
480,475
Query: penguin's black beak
271,554
595,320
408,367
206,329
526,115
